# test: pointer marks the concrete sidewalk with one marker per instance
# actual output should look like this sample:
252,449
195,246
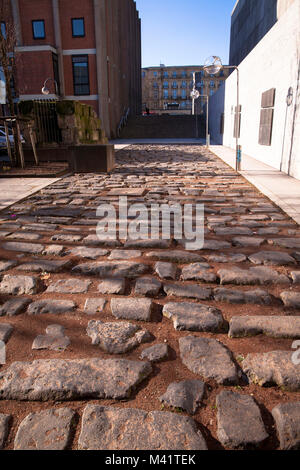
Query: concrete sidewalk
13,190
282,189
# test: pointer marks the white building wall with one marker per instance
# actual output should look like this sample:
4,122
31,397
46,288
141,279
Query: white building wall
273,63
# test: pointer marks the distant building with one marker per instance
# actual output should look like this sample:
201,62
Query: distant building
92,48
167,89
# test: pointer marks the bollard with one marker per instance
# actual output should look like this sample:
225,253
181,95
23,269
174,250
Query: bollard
239,158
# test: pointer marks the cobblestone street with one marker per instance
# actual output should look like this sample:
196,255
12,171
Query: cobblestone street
143,344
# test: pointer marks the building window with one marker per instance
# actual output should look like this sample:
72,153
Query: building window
38,29
143,74
166,74
183,85
155,95
174,95
78,29
166,94
183,105
174,74
183,94
184,74
211,92
174,85
81,75
166,85
266,117
155,85
155,74
212,84
3,29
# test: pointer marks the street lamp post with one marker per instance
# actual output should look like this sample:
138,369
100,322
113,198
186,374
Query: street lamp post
195,95
212,66
46,90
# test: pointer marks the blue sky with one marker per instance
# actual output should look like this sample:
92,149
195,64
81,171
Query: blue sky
184,32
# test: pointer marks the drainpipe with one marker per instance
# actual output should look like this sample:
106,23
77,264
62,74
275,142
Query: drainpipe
56,21
101,63
16,16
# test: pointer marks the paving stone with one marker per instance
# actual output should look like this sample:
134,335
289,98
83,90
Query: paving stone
296,255
186,395
131,308
157,430
194,317
55,330
208,358
287,420
18,285
106,269
176,256
5,265
32,248
72,379
90,253
69,286
268,231
24,236
290,299
286,242
64,212
148,286
4,428
232,296
93,306
125,254
44,266
4,234
272,258
228,258
42,227
156,353
165,270
248,241
112,286
5,331
54,250
46,430
258,275
51,307
118,337
295,275
51,342
240,424
127,192
147,244
225,231
273,368
14,307
198,272
274,326
94,240
66,238
188,291
215,245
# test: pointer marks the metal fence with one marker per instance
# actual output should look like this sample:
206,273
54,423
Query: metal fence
45,114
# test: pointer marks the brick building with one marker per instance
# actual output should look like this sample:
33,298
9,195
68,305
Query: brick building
167,89
92,48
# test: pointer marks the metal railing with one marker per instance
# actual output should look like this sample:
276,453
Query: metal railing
15,149
123,121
